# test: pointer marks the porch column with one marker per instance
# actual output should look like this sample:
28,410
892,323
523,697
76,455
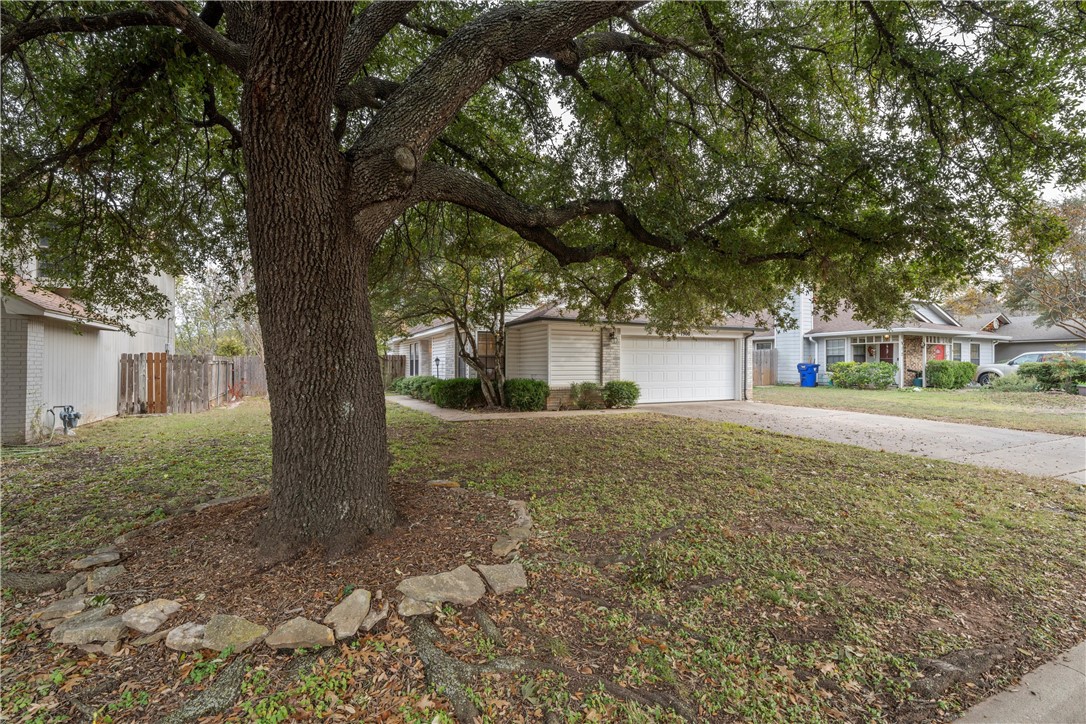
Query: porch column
901,360
924,364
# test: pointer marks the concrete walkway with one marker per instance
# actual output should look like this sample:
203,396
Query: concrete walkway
1053,694
1035,453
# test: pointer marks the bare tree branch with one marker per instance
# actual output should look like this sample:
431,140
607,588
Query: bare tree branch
366,31
25,32
234,55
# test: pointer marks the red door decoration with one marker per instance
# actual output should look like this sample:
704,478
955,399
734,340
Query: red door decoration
937,352
886,353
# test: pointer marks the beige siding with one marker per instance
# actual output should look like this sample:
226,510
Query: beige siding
81,368
574,354
444,349
526,352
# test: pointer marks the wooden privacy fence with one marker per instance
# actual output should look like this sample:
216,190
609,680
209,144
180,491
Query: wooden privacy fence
250,376
156,382
393,367
765,367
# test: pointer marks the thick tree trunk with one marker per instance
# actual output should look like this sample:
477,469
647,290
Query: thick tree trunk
310,256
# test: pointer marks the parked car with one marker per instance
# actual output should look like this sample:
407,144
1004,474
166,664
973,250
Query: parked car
986,373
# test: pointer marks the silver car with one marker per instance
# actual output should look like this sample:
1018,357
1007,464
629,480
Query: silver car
986,373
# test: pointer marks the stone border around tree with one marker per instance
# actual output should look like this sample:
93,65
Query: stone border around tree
74,621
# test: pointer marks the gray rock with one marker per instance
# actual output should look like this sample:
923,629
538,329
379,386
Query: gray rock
91,632
347,615
519,532
300,633
109,648
521,516
504,546
100,576
90,615
186,637
461,586
375,616
224,631
79,579
57,611
219,696
96,559
153,638
443,483
504,578
147,617
410,607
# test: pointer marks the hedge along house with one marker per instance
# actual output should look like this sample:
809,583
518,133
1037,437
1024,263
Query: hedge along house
550,343
53,353
930,334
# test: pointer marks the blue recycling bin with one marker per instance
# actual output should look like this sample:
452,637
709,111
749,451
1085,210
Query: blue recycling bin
808,374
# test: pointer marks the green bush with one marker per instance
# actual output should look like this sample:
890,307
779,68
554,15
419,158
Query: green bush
526,395
1015,383
949,375
418,386
863,375
585,395
1065,373
621,393
459,392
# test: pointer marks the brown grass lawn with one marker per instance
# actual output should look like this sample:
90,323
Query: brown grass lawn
680,566
1055,412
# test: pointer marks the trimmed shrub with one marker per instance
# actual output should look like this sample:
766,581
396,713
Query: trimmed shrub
863,375
1014,383
418,386
460,393
585,395
526,395
950,375
1065,373
621,393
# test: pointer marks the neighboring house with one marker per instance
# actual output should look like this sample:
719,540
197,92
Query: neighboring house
1024,335
550,343
53,353
930,333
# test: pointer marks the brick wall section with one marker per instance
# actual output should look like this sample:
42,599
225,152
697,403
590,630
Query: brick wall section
914,357
35,368
13,428
610,355
746,350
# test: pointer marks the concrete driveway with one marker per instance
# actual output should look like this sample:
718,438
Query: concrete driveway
1035,453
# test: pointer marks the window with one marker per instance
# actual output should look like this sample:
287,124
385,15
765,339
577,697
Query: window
835,351
761,346
413,359
974,353
859,352
957,352
488,353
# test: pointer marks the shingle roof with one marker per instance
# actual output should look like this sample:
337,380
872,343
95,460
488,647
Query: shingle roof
47,300
558,312
1021,328
844,321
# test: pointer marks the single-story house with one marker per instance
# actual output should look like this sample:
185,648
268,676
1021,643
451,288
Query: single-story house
1025,335
550,343
52,352
930,333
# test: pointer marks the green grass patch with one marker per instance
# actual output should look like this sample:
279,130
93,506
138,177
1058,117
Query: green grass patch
1057,413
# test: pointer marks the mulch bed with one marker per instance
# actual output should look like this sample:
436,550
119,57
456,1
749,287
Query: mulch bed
209,562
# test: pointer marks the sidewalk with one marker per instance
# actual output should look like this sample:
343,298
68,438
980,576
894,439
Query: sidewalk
1052,694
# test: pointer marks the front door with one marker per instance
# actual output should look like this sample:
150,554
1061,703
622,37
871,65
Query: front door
886,353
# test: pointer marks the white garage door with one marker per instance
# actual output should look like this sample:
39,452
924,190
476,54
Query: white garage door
680,370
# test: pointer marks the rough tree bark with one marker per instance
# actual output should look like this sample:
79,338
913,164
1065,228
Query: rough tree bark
310,255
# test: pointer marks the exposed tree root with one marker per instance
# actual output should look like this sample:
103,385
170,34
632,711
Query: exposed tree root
452,677
32,582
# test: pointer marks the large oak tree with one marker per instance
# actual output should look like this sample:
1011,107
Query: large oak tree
685,158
